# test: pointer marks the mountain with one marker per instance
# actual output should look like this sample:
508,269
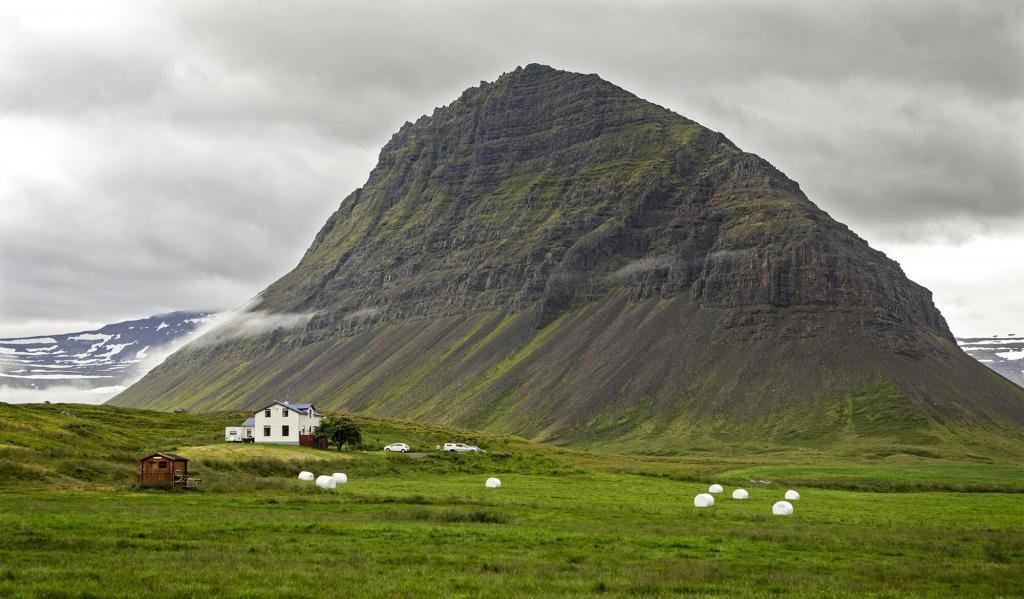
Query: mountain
552,256
1004,355
106,358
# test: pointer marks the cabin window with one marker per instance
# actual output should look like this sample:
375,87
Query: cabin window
266,431
267,412
284,431
162,466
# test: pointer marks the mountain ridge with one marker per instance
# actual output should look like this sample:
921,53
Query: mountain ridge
108,356
550,255
1004,355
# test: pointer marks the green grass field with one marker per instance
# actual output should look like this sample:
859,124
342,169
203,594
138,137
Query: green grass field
565,522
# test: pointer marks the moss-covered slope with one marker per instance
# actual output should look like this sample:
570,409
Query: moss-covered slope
552,256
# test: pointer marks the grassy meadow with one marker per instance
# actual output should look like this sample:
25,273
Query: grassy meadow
565,522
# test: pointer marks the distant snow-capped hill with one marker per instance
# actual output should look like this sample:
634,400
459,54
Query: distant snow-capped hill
1005,355
103,360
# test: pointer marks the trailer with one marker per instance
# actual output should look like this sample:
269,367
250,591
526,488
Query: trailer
234,434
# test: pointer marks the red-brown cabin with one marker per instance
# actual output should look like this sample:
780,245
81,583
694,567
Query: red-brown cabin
162,469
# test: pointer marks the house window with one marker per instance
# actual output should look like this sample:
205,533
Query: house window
266,431
266,412
162,465
284,411
284,431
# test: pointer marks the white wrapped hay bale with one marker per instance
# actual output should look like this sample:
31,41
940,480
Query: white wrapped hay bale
325,482
703,500
493,483
340,478
715,488
792,495
306,475
782,508
740,494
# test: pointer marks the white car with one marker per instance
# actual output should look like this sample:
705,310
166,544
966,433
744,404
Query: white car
460,447
402,447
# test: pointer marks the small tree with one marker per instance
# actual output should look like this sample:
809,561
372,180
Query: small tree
338,431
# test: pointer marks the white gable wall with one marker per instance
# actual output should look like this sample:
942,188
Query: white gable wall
283,425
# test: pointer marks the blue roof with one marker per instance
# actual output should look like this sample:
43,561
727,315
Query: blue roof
249,422
301,408
298,406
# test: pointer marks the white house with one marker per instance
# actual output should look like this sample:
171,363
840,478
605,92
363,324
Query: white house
283,422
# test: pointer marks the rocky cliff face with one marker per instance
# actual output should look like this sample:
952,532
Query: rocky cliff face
548,206
546,190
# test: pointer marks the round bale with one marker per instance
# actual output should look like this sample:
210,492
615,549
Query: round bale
703,500
306,475
740,494
340,478
493,483
792,495
782,508
715,488
325,482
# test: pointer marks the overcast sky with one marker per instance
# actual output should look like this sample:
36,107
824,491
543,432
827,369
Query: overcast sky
157,156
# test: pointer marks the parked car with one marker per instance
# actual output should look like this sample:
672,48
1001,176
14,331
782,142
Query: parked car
460,447
402,447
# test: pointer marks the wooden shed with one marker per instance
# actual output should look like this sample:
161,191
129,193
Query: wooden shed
162,469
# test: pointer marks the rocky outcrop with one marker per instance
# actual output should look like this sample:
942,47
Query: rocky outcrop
547,190
548,198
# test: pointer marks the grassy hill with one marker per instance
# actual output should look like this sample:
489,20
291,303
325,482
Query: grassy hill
82,446
86,446
566,522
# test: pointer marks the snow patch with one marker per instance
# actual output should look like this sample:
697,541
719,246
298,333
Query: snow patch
162,325
56,376
92,337
1011,355
28,341
94,347
115,348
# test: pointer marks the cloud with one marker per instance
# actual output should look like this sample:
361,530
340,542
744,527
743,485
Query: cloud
241,323
645,264
183,155
362,314
977,284
62,394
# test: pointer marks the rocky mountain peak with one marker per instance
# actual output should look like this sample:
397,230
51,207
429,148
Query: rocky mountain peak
546,189
550,255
